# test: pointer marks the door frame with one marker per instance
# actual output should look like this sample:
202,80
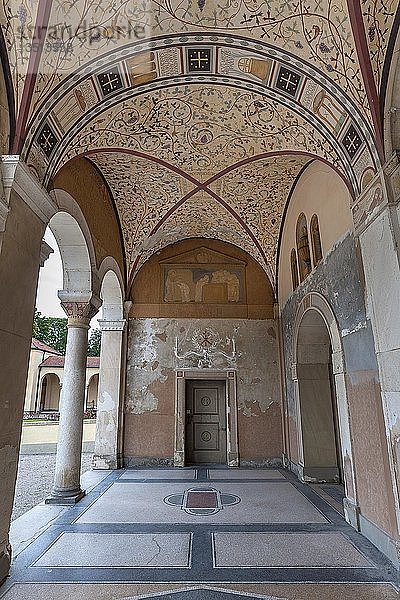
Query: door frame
232,450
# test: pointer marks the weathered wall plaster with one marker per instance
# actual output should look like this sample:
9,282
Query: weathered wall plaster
341,283
150,392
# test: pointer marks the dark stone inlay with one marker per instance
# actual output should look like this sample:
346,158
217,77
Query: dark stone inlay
206,501
110,82
47,139
201,500
352,141
199,59
288,81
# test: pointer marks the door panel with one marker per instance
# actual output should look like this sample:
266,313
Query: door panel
205,421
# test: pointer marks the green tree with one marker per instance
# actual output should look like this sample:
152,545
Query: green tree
94,344
51,331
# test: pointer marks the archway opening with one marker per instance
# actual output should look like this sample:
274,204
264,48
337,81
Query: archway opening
91,394
321,446
49,393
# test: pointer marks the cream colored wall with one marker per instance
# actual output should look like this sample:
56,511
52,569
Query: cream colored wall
36,357
59,371
322,192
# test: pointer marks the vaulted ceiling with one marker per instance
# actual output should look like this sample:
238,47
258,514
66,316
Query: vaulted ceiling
200,115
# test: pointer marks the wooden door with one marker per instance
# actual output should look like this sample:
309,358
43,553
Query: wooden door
205,421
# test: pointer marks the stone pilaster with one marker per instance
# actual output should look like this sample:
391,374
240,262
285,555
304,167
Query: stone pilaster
376,218
80,308
110,395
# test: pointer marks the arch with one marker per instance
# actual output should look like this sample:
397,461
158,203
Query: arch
77,268
315,240
91,393
111,291
316,303
390,91
294,269
74,240
49,397
303,247
7,99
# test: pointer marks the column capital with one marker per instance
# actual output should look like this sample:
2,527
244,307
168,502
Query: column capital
45,251
112,325
382,191
17,176
79,307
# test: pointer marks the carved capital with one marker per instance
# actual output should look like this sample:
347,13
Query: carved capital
45,251
116,325
80,307
16,176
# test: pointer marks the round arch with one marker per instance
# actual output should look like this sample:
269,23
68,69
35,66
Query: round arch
320,344
111,290
49,396
75,243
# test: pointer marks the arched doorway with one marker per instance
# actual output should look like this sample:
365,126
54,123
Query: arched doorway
321,446
50,393
317,341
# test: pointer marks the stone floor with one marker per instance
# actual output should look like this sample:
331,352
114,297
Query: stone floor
209,534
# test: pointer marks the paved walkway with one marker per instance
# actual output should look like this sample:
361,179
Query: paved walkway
188,534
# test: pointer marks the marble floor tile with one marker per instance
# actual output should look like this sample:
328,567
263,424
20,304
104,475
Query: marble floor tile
243,474
170,474
118,550
286,550
260,502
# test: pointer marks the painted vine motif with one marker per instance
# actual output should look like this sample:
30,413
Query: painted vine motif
202,129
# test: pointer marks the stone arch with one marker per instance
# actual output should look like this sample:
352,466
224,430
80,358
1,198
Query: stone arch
111,289
74,240
317,304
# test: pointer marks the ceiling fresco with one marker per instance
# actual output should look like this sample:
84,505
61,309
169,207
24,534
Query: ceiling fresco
200,115
158,206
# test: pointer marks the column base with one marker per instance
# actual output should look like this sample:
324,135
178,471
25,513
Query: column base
105,463
66,499
5,562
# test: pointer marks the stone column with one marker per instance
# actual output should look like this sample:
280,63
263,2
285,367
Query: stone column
66,489
376,216
25,208
110,395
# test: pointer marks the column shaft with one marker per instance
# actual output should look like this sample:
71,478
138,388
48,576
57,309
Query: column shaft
66,489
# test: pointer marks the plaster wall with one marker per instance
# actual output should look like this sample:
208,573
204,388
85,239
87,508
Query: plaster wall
149,421
319,191
339,278
147,291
